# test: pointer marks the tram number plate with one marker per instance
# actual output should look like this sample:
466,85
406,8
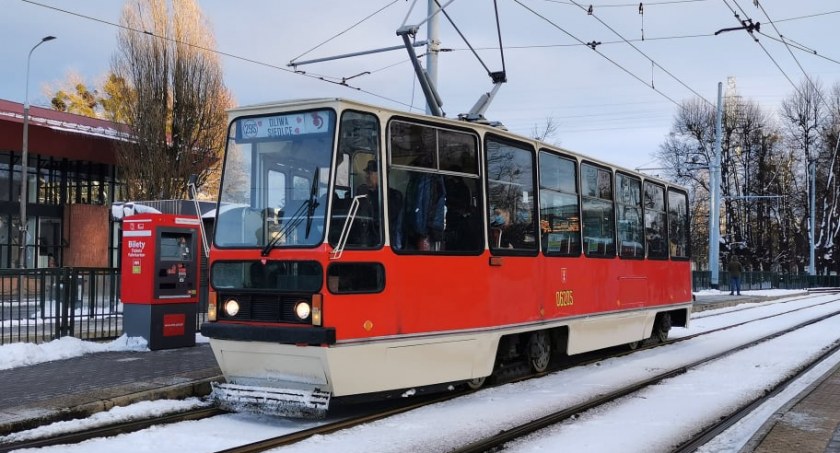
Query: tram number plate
564,298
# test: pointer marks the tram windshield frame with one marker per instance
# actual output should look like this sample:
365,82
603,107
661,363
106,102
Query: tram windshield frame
275,180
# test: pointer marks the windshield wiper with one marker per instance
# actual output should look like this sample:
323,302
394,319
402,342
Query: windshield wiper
312,202
308,207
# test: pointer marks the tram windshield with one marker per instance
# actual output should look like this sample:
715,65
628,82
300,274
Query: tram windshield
276,174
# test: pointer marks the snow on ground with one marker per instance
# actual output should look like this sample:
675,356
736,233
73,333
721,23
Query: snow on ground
22,354
650,421
15,355
138,411
758,292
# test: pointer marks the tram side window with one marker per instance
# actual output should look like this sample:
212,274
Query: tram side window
629,213
510,192
678,223
655,226
435,173
559,206
598,212
358,174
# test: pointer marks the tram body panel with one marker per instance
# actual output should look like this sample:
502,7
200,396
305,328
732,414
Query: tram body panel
358,367
399,362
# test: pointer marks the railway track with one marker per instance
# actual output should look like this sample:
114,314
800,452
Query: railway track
758,305
368,418
112,430
329,428
494,442
504,437
712,431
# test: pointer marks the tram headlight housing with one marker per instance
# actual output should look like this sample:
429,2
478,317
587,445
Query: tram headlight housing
303,310
231,307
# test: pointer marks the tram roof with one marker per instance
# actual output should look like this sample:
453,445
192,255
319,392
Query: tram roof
267,107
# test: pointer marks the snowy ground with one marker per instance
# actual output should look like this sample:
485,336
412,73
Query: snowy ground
654,420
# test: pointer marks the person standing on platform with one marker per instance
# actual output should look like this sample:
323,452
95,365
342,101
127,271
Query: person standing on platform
734,269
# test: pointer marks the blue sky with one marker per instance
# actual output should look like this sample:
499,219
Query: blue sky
605,108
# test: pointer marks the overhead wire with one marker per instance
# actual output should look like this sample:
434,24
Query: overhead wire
788,47
799,46
807,77
464,38
346,30
338,80
315,76
660,38
809,16
750,32
645,55
548,46
552,23
627,5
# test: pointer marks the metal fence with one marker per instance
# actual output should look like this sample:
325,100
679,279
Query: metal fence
39,305
765,280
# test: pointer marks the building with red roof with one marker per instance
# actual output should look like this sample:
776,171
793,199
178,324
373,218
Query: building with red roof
73,179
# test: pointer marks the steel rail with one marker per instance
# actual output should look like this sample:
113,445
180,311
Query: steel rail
714,430
329,428
504,437
112,430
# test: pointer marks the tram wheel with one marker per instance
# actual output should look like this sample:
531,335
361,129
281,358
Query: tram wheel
477,383
539,350
662,326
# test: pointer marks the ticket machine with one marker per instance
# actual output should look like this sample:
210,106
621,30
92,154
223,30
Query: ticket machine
160,278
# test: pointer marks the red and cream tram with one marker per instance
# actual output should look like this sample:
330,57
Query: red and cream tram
359,249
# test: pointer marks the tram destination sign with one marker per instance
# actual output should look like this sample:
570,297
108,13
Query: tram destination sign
262,127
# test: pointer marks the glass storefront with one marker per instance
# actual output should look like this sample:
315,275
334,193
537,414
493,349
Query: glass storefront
53,183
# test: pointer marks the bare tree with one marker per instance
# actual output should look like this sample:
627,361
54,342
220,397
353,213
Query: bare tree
546,131
175,98
752,167
829,231
802,115
684,155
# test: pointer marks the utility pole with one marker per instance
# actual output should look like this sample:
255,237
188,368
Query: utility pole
433,46
24,160
812,173
714,197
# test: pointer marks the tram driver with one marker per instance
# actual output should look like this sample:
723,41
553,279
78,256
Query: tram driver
395,204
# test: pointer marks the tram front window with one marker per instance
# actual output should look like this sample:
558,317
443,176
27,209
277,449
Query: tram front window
275,180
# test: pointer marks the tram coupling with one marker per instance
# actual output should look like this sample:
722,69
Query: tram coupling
281,402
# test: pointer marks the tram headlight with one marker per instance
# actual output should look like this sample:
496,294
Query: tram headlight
231,307
302,310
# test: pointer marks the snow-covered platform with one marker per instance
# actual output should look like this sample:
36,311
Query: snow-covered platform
713,299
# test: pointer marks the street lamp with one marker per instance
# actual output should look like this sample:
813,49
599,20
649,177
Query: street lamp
24,160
